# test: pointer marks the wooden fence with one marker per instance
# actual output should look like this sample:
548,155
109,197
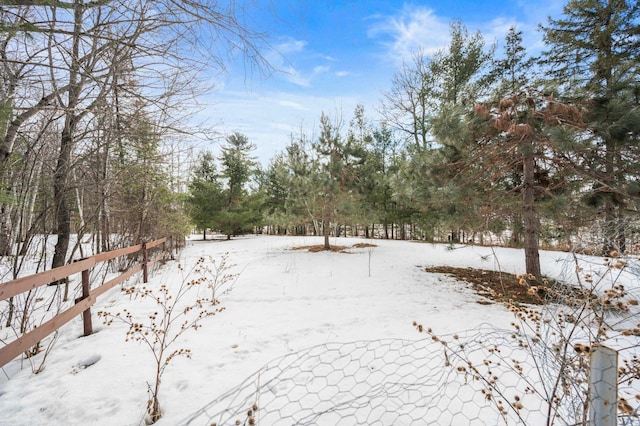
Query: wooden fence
83,303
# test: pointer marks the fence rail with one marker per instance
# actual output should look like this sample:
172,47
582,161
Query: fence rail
83,303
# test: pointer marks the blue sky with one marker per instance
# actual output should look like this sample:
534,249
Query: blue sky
331,55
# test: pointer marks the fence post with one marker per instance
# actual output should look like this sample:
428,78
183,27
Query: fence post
86,288
603,387
145,258
86,315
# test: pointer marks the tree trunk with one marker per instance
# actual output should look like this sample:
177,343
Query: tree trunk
61,174
326,229
5,245
530,217
60,195
613,234
103,217
516,230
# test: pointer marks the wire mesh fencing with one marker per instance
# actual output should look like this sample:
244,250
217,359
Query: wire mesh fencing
474,378
380,382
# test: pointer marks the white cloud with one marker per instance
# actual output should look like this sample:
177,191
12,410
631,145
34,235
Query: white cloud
281,59
418,28
294,76
321,69
291,46
286,56
292,104
342,73
414,29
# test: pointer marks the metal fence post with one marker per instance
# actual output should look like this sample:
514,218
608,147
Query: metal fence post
603,387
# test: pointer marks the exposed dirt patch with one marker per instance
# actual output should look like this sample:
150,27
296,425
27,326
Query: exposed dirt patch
496,286
320,247
337,249
364,245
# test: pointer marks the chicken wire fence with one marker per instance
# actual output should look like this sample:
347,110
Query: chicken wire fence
486,380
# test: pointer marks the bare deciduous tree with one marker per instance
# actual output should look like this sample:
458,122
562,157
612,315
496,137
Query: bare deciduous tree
85,67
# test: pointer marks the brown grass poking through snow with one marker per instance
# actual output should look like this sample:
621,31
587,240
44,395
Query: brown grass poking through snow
320,247
494,285
337,249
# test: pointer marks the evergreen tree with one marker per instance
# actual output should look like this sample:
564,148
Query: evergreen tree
338,161
238,211
276,185
432,178
205,194
142,200
516,153
329,147
374,179
593,56
293,199
304,201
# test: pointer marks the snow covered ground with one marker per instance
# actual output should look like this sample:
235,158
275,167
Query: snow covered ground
283,301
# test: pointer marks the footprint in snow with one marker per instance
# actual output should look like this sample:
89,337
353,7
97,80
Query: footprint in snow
85,363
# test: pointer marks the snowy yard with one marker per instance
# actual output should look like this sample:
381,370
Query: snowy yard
283,301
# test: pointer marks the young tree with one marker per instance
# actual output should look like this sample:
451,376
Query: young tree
338,161
377,150
515,70
205,194
294,181
238,167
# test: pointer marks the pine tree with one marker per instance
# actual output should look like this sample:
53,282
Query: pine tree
205,194
237,213
374,178
515,70
593,55
329,147
462,75
338,161
515,153
304,202
276,185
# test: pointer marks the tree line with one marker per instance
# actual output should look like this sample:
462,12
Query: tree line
94,95
475,142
